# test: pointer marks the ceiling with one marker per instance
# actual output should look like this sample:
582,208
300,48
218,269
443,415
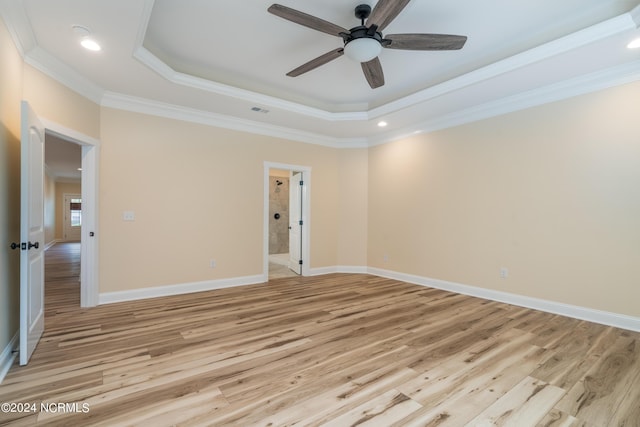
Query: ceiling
62,159
213,61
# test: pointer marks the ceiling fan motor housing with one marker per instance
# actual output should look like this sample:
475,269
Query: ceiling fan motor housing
363,11
360,32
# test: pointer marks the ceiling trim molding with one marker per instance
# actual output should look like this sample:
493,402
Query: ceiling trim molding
592,82
144,56
159,109
635,15
15,18
161,68
19,26
42,60
575,40
572,41
615,76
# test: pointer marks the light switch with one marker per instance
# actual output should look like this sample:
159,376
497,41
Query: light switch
128,216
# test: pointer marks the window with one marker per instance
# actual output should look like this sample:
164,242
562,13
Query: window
75,209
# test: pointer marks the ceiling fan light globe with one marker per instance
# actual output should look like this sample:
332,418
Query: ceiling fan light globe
362,49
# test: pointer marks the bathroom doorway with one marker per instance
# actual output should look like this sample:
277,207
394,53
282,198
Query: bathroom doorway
286,222
279,226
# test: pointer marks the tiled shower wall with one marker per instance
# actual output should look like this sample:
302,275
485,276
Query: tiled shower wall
278,203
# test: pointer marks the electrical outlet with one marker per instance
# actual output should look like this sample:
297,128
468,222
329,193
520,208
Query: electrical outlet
128,216
504,272
212,263
385,258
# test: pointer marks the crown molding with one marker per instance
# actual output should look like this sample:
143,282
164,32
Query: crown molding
623,74
603,79
575,40
18,24
165,71
154,108
635,15
572,41
43,61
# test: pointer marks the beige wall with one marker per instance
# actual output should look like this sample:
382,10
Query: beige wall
56,102
49,209
552,193
10,94
54,207
352,230
197,194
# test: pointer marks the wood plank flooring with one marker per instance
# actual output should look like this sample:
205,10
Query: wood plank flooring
337,350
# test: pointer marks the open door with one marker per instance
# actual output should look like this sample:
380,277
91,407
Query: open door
295,222
31,232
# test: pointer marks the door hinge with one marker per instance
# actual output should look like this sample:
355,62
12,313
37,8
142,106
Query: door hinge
300,262
301,183
300,222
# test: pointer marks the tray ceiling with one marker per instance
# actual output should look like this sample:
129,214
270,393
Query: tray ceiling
214,62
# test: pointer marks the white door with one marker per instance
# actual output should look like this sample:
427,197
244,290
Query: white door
31,232
72,217
295,223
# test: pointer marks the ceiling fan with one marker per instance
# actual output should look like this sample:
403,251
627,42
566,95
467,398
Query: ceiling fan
364,42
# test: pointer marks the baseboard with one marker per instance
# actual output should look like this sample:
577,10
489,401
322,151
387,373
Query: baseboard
183,288
592,315
338,269
8,356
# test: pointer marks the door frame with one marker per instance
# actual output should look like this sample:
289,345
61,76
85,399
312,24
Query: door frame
306,216
89,237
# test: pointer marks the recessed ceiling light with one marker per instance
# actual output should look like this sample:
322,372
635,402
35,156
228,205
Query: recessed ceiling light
634,44
86,41
90,44
382,124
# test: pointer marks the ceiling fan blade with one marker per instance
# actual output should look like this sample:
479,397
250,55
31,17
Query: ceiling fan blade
385,11
373,73
425,41
315,63
306,20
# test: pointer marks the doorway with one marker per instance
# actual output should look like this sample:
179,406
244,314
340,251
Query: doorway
63,215
286,252
35,187
90,158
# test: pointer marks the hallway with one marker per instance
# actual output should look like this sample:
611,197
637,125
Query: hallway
62,280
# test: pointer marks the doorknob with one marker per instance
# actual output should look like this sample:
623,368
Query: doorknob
34,245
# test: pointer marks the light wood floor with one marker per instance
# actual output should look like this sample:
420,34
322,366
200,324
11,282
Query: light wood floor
340,350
